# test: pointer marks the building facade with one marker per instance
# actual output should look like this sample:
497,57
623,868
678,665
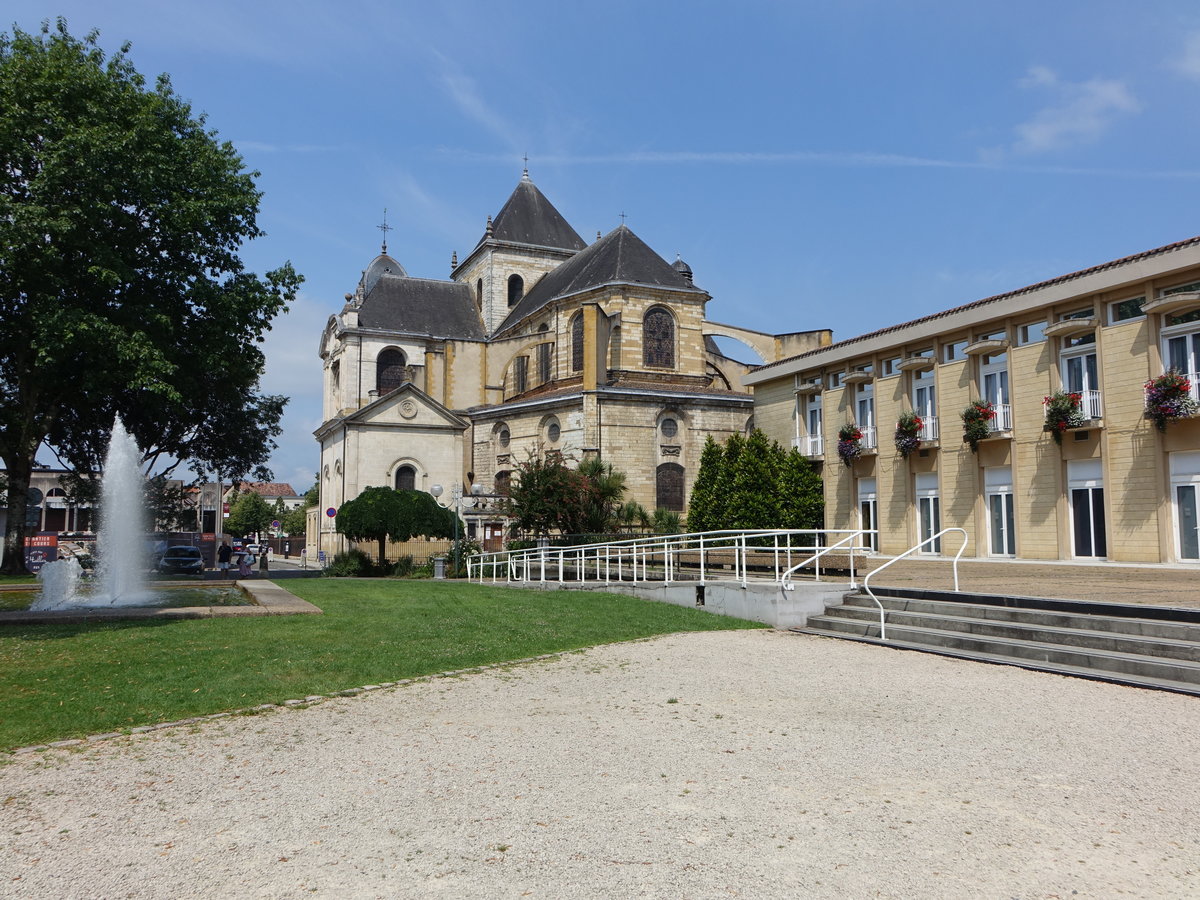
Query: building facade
539,342
1113,487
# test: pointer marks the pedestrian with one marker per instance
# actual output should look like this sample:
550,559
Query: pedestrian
224,552
263,563
244,565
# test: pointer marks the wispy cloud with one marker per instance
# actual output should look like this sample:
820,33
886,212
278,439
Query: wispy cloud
816,158
1187,63
1079,112
464,93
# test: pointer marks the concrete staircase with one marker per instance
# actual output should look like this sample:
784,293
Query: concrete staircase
1144,646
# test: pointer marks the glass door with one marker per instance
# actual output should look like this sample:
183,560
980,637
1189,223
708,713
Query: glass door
929,512
868,512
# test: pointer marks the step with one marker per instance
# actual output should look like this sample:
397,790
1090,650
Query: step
1149,623
1162,684
1082,635
1035,651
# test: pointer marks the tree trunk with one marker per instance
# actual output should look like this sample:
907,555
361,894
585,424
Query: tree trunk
382,550
20,469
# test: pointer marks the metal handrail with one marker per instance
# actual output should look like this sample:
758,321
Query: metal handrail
639,555
910,550
786,578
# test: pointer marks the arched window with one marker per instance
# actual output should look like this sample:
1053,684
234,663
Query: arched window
479,293
668,487
406,478
577,343
503,483
389,370
658,339
520,374
516,289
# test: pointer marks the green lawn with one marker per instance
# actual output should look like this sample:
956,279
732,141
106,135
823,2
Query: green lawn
60,681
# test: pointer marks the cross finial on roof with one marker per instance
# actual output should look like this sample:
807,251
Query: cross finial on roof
622,218
525,174
385,228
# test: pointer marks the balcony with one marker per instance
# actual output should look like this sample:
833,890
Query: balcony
929,429
870,437
812,445
1002,421
1193,379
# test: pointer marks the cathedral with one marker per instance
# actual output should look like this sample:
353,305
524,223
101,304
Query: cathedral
539,342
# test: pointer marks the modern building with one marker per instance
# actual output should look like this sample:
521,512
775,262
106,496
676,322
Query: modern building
537,342
1113,487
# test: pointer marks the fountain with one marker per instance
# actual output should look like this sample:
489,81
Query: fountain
121,540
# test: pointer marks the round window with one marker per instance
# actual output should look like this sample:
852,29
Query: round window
669,427
552,432
505,437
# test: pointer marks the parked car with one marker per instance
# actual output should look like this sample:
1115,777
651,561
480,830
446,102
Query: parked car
181,561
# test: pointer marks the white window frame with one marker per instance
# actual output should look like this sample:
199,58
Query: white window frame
924,402
868,511
864,414
1185,474
1112,310
1189,334
1088,381
1087,475
1023,333
998,486
929,512
994,387
814,420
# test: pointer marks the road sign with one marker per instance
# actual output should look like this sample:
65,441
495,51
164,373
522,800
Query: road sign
275,524
331,512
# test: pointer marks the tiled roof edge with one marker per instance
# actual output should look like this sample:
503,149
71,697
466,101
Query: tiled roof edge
1060,279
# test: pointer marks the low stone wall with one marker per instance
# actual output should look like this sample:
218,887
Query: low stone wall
269,600
766,603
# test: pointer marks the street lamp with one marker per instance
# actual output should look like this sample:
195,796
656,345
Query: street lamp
456,499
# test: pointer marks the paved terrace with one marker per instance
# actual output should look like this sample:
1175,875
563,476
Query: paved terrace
1106,583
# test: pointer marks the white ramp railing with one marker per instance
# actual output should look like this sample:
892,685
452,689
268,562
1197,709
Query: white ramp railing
909,551
709,556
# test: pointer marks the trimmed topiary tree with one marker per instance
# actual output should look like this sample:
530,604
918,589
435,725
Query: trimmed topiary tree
380,513
702,512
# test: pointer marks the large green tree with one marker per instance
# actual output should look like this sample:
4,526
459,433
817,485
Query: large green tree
704,506
249,514
801,493
752,500
122,291
380,513
753,483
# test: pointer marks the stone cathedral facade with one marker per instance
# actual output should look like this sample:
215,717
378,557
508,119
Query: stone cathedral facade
538,342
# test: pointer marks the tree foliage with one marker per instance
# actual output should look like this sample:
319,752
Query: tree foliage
294,521
249,514
753,483
121,221
382,513
703,508
548,495
752,500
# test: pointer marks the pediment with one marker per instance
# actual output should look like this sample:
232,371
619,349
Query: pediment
409,407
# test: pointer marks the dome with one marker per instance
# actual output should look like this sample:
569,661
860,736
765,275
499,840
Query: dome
380,266
684,270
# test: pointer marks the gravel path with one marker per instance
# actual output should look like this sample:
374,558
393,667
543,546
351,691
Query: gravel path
735,764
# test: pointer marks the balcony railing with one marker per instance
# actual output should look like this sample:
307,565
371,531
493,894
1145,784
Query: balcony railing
814,445
870,437
1002,421
1091,405
929,428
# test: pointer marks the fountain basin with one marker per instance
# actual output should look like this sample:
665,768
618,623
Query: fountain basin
265,598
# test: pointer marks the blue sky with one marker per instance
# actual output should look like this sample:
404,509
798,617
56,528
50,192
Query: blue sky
843,165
